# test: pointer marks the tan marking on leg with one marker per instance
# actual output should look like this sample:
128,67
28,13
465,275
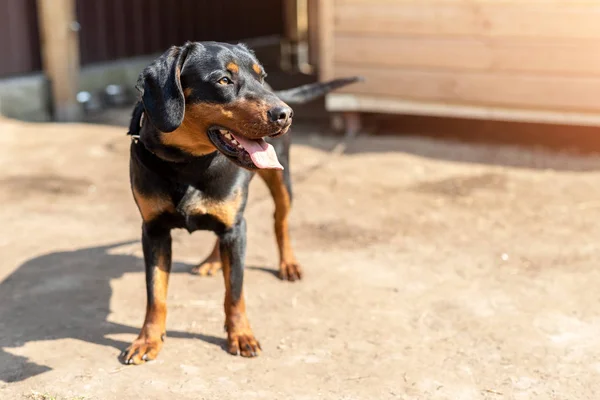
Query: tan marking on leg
289,269
240,339
152,335
225,211
151,206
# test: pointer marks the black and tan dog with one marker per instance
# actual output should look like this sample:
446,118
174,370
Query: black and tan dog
199,137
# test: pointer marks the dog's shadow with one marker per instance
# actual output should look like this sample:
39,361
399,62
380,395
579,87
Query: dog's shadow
66,295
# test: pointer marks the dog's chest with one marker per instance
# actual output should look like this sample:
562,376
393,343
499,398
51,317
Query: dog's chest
202,212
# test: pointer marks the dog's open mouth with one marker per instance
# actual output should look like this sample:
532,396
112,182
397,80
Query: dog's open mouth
247,153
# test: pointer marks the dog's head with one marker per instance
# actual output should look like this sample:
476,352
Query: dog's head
209,96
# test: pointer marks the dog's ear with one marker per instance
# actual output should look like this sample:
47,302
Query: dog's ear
160,86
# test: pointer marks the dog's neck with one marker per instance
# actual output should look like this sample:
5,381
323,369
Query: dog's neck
174,164
148,136
180,168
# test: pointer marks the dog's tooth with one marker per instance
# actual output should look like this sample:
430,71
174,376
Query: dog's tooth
234,141
227,135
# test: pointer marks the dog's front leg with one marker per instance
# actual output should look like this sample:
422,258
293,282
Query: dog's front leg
156,242
240,339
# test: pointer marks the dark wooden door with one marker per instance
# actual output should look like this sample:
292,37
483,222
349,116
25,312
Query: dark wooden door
113,29
19,38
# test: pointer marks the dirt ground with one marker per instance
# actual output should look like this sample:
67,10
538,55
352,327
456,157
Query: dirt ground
434,270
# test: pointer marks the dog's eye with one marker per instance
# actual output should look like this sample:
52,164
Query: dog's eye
225,81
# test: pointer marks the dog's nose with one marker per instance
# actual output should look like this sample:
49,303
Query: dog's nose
280,115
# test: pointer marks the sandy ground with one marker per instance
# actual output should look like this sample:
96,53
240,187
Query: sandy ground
434,270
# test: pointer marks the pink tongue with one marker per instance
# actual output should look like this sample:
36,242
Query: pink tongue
262,153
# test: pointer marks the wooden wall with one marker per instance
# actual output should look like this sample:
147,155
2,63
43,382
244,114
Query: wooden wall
19,38
514,54
114,29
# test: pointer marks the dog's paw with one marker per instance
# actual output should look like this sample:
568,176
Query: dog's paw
243,343
290,271
207,268
141,350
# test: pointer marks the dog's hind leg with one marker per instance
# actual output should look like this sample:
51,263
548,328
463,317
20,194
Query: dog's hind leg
211,264
279,184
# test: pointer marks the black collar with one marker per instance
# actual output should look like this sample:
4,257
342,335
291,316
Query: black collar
136,138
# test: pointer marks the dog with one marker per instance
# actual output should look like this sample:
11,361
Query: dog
205,124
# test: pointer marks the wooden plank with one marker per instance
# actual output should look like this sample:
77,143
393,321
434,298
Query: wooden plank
394,105
60,55
576,20
290,18
470,54
326,43
559,93
313,32
294,46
